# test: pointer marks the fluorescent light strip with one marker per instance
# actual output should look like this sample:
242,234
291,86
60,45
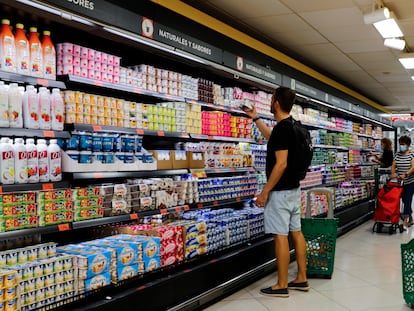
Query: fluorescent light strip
407,61
39,6
388,28
345,111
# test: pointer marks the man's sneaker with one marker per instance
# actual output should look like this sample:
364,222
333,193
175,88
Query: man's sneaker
303,286
281,292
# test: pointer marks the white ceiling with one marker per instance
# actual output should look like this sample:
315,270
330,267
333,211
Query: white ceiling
332,38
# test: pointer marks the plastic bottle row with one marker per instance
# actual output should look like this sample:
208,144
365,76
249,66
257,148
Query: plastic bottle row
27,56
29,162
31,108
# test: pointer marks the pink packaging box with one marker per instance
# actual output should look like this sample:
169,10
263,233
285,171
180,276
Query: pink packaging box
67,59
59,70
117,70
76,61
98,56
91,65
117,61
84,52
67,48
84,63
98,66
76,50
104,68
84,72
104,58
77,70
67,69
91,74
98,75
110,70
104,76
91,54
109,78
116,79
110,59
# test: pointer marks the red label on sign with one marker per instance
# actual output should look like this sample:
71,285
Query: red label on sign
140,132
178,209
49,134
43,82
161,133
97,128
64,227
186,208
215,203
163,211
200,205
48,186
97,175
133,216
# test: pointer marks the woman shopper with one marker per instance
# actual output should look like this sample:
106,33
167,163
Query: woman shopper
403,168
387,155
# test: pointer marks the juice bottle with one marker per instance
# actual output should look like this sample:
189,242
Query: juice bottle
4,106
22,50
20,161
6,161
31,108
49,57
44,109
32,161
57,110
15,106
7,47
36,55
43,160
55,160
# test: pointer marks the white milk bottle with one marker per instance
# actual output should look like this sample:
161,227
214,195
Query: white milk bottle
31,108
6,161
43,160
20,161
15,106
32,161
44,109
4,106
55,160
57,110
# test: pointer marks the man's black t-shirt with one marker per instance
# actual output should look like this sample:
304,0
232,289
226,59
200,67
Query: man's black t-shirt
282,138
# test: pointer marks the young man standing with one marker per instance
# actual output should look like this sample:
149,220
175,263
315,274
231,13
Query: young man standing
281,196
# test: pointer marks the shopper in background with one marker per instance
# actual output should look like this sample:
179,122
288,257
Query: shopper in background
403,168
281,195
387,155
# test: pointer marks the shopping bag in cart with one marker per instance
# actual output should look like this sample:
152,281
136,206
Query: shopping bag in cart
407,264
320,235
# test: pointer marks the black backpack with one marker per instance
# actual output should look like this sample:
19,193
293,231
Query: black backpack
303,150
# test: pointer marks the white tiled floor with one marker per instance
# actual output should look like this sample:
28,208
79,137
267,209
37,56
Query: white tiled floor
367,276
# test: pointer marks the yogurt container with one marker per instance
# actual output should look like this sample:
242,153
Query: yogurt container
85,157
85,141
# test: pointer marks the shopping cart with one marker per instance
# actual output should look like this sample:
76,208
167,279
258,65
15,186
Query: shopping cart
320,235
407,263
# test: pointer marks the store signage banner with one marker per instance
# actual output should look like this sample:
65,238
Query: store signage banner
309,91
179,40
101,11
243,65
337,102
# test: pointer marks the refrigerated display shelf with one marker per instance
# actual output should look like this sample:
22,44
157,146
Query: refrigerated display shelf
34,187
36,133
132,174
119,87
19,78
221,138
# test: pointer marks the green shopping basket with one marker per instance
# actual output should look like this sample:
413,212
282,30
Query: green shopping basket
407,263
320,235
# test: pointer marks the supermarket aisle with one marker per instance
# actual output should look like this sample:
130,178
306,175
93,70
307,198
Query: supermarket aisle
367,276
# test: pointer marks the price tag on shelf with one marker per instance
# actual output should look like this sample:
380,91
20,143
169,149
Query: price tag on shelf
186,207
200,205
217,170
48,186
178,209
238,200
184,135
133,216
64,227
140,132
97,128
163,211
49,134
98,175
215,203
43,82
137,91
98,83
221,107
200,173
161,133
1,189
